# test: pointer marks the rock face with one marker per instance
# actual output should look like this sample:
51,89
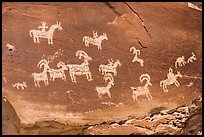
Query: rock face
63,104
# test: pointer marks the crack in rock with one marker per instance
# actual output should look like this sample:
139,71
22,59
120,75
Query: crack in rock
139,18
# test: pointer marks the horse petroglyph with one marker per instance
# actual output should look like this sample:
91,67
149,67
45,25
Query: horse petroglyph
171,79
81,69
137,52
192,58
105,90
58,73
22,85
95,40
43,33
180,61
110,67
138,91
42,76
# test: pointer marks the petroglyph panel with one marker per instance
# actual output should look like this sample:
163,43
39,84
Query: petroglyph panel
96,40
171,79
139,91
36,34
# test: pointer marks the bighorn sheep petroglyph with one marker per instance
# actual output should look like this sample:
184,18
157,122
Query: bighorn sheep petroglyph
58,73
75,69
43,33
95,40
137,52
180,61
105,90
138,91
22,85
171,79
42,76
110,67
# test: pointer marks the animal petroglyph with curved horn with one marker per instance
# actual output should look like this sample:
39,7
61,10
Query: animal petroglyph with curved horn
58,73
105,90
42,76
80,69
137,52
138,91
43,33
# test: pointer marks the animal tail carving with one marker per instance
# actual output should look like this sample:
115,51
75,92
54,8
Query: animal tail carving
84,38
30,32
161,83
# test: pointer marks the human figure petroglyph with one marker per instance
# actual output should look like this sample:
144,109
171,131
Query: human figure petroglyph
45,34
10,47
180,61
138,91
111,67
42,76
58,73
22,85
192,58
95,40
172,79
95,35
106,90
137,52
43,27
80,69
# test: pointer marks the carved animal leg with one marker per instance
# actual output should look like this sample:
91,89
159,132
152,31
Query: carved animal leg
177,83
48,40
22,87
51,41
38,40
165,88
17,87
34,38
149,96
99,95
38,84
134,59
89,77
35,83
176,64
109,94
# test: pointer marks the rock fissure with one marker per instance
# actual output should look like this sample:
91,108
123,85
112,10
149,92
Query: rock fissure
139,18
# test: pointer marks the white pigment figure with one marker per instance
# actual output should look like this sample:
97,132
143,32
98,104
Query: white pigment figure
45,34
42,76
138,91
137,52
22,85
105,90
43,27
171,79
111,67
10,47
58,73
82,69
192,58
95,40
180,61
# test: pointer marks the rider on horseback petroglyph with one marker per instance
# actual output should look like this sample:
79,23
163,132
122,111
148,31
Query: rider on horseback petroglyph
95,35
